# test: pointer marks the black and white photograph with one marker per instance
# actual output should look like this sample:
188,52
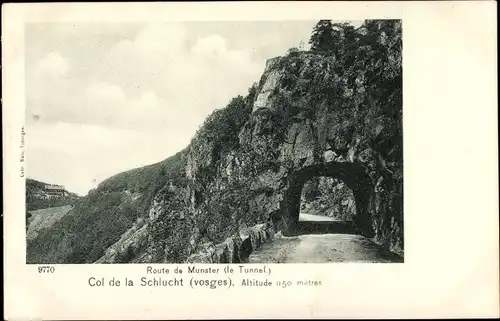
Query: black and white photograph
214,142
250,160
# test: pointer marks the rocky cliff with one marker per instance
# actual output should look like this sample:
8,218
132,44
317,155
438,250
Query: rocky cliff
310,115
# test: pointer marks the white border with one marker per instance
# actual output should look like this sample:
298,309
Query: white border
450,177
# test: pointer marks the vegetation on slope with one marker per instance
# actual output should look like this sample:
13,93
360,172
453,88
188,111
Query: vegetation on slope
356,74
223,125
36,196
98,220
172,230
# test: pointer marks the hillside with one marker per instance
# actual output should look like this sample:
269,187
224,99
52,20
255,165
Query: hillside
99,219
334,111
44,218
37,197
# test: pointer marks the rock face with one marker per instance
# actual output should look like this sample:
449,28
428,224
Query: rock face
247,164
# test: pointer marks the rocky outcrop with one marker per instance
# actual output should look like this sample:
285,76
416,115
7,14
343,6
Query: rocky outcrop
301,122
312,114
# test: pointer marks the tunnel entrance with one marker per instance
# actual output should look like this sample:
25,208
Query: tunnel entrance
325,198
350,218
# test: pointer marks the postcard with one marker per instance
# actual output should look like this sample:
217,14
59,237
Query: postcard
250,160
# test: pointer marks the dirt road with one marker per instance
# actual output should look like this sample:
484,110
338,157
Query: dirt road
315,218
321,248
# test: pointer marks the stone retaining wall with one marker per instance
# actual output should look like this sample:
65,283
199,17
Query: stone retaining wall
237,248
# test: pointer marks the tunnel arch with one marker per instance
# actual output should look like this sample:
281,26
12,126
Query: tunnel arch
353,175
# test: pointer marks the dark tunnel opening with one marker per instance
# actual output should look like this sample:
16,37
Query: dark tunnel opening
351,178
325,198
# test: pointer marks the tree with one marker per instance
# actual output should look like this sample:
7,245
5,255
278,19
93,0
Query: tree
292,51
322,36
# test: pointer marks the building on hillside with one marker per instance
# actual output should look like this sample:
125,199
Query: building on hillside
55,191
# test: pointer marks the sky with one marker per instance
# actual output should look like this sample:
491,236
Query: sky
106,98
